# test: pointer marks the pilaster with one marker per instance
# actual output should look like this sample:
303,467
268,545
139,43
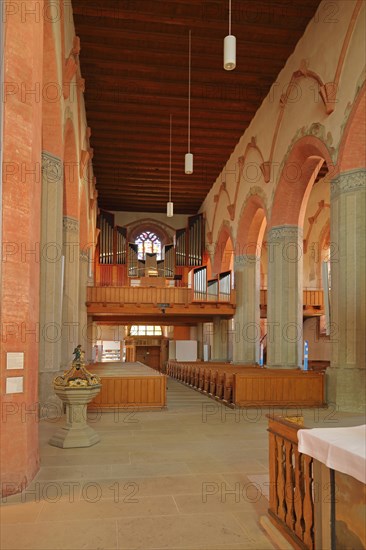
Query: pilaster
70,304
51,276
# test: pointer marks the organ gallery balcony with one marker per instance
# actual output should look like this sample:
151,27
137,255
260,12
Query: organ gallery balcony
158,301
313,302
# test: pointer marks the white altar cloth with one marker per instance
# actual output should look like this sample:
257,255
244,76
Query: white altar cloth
342,449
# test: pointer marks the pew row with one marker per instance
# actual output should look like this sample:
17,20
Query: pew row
249,385
133,386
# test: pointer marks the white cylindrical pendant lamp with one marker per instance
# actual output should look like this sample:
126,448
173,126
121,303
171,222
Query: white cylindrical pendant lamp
169,209
229,52
188,163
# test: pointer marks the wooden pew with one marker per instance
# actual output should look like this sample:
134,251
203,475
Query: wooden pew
247,385
281,387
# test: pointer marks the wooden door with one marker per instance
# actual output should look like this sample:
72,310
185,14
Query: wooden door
149,355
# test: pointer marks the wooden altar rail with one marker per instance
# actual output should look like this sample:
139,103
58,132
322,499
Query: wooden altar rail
311,298
251,385
291,484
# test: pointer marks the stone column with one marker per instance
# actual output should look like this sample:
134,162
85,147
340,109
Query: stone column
51,268
83,316
70,305
246,334
200,341
219,339
284,308
346,379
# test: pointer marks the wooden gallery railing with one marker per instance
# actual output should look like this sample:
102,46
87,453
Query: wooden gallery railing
139,295
291,483
311,298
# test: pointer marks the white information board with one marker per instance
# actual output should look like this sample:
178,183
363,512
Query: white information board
14,360
186,350
14,384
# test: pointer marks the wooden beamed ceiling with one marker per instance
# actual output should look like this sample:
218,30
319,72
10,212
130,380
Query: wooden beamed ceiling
134,58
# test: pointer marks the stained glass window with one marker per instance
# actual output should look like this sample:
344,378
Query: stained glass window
148,242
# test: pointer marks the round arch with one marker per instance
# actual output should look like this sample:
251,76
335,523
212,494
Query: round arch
52,141
71,176
251,227
352,150
224,251
297,177
84,232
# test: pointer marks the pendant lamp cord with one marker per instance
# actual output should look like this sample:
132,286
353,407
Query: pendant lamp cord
170,161
229,17
189,95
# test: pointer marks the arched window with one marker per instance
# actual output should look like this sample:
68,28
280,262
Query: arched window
148,242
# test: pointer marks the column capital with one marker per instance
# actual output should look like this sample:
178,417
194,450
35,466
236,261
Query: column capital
348,182
244,260
52,168
70,224
280,232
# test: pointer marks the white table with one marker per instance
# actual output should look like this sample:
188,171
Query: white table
336,451
341,449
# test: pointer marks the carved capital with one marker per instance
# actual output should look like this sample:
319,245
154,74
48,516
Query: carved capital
52,168
282,232
348,182
245,260
70,225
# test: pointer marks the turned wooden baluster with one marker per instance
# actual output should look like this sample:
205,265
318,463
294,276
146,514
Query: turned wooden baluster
289,489
299,495
308,503
280,480
273,496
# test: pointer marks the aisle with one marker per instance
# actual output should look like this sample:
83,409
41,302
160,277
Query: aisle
192,477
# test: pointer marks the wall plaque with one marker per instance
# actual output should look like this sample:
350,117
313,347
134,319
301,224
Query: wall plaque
15,360
14,384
